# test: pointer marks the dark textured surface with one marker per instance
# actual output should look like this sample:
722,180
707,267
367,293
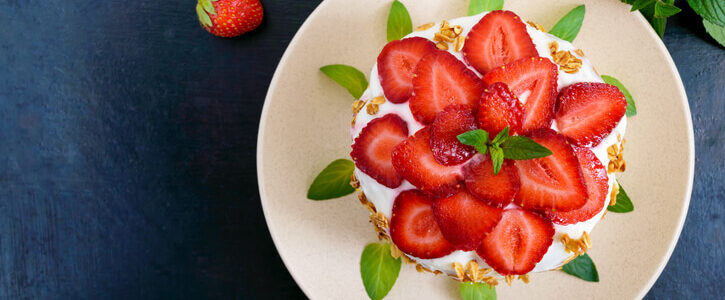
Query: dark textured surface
128,153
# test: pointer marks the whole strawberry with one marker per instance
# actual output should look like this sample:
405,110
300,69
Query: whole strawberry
229,18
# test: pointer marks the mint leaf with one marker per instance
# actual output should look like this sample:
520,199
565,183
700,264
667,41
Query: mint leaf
623,204
568,27
711,10
478,6
378,270
631,108
399,23
477,291
664,10
520,147
496,158
716,32
477,138
333,181
501,137
639,4
582,267
348,77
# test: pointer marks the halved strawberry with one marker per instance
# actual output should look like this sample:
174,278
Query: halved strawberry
413,228
588,111
597,182
448,124
499,108
396,63
533,81
517,243
464,220
440,80
499,38
373,148
414,160
554,182
495,190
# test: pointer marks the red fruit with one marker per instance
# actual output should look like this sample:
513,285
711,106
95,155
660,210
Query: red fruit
517,243
373,148
229,18
448,124
534,75
500,108
499,38
495,190
554,182
597,182
464,220
441,80
414,160
396,64
588,111
413,228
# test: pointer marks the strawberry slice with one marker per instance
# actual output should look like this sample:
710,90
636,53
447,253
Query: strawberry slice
495,190
588,111
414,160
396,63
554,182
414,229
517,243
499,108
597,182
499,38
448,124
440,80
373,148
533,81
464,220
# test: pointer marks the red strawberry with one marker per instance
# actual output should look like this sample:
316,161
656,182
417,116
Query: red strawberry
414,229
396,64
518,242
373,148
533,81
499,38
441,80
588,111
495,190
464,220
500,108
597,182
448,124
554,182
229,18
414,160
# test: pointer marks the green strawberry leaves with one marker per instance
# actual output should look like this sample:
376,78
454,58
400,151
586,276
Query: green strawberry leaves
399,23
348,77
568,27
478,6
503,146
333,181
623,204
582,267
203,9
631,107
476,291
378,269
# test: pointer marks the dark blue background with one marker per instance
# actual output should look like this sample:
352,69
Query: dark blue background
127,153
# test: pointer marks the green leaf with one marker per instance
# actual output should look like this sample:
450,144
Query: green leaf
378,270
348,77
664,10
399,23
203,17
631,108
501,137
658,24
582,267
623,204
639,4
716,32
711,10
208,6
477,291
568,27
496,158
478,6
333,181
520,147
477,138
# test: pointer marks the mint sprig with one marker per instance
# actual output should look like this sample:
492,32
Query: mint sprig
631,108
348,77
623,204
476,291
716,32
582,267
711,10
568,27
378,269
503,146
333,181
399,23
478,6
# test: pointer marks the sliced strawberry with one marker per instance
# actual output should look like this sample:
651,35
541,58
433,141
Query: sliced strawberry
414,229
499,108
499,38
495,190
414,160
588,111
440,80
464,220
448,124
373,148
597,182
554,182
533,81
396,64
517,243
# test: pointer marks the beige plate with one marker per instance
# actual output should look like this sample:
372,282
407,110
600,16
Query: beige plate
305,125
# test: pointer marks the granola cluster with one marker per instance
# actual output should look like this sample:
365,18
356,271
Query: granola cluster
567,62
